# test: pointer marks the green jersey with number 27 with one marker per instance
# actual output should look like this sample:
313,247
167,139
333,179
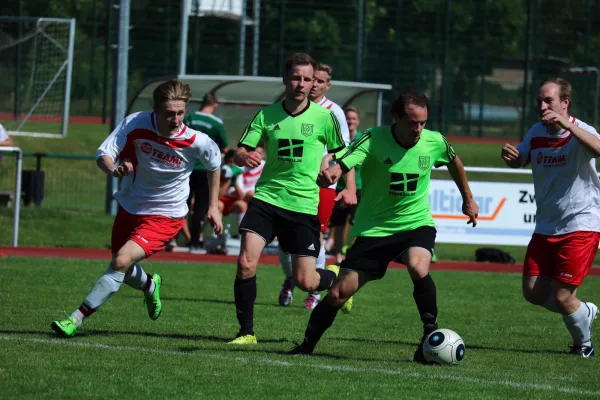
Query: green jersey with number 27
294,146
395,179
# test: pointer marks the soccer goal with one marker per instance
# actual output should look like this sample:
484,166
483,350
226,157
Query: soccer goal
36,63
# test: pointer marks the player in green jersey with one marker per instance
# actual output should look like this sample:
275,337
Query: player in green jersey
393,220
295,132
204,121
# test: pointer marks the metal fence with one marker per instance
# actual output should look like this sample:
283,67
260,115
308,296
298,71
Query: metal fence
479,61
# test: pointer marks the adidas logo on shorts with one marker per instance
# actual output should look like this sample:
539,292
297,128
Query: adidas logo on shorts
312,246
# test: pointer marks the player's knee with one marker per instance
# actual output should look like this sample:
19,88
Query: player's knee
246,267
121,263
305,283
334,298
563,297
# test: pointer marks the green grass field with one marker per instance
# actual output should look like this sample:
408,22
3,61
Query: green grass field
514,350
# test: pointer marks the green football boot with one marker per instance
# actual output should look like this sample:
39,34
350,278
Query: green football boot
65,328
153,303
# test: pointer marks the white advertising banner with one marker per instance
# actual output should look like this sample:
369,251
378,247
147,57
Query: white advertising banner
506,213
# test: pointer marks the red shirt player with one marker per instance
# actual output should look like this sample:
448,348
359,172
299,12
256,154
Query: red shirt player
562,152
154,153
327,196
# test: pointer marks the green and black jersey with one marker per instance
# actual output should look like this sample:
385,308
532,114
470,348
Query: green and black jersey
395,179
294,146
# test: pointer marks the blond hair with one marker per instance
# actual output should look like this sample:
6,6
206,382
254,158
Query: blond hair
171,90
565,90
324,68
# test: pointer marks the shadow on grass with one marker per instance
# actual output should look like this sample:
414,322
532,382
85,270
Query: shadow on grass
467,345
250,349
218,301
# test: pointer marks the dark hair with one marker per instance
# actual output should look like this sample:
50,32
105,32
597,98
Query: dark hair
408,97
298,59
565,89
229,155
209,99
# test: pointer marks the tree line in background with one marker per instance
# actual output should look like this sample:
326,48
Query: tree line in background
443,47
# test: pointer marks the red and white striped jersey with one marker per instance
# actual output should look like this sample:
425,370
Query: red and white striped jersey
567,188
250,176
341,116
159,184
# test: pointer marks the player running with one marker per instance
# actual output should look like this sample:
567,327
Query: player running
295,132
154,153
562,152
393,220
327,196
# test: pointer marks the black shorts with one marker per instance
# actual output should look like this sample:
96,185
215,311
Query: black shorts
373,254
340,214
298,233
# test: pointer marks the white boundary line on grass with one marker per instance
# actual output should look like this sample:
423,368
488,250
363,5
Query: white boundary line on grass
279,363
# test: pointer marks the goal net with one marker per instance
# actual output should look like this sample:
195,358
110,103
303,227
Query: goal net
36,62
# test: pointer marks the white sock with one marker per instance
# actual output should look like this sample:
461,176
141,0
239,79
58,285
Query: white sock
106,286
578,325
286,264
79,317
240,217
138,279
321,260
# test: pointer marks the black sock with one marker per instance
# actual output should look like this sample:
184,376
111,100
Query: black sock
425,297
328,279
245,294
320,320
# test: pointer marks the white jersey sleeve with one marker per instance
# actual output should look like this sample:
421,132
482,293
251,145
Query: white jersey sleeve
114,144
341,117
208,152
524,148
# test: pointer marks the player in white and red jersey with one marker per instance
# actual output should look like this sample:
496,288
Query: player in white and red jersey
154,153
327,196
250,176
561,150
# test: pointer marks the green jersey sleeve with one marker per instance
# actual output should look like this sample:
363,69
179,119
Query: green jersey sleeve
333,135
254,132
354,154
446,153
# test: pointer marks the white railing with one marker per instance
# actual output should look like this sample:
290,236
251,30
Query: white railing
17,200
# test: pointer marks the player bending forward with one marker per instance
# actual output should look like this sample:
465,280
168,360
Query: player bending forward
393,220
156,152
562,152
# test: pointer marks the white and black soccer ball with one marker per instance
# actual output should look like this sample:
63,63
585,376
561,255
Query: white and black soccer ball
444,346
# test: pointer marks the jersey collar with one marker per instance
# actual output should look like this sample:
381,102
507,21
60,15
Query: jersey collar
295,115
396,139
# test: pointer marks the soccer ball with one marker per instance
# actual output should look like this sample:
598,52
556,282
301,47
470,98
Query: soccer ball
444,346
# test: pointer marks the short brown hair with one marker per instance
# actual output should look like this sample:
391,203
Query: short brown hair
351,109
408,97
565,89
171,90
209,99
324,68
298,59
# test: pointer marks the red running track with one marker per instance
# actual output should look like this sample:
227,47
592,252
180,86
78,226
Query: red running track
100,254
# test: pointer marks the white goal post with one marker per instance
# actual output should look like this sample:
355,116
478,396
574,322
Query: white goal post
17,197
36,61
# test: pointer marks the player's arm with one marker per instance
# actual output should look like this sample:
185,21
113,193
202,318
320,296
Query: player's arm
224,142
239,184
345,160
589,140
226,175
519,156
210,156
114,146
457,171
245,154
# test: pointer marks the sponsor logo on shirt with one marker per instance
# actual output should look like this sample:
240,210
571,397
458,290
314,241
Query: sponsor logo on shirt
290,150
168,160
404,185
146,147
552,160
